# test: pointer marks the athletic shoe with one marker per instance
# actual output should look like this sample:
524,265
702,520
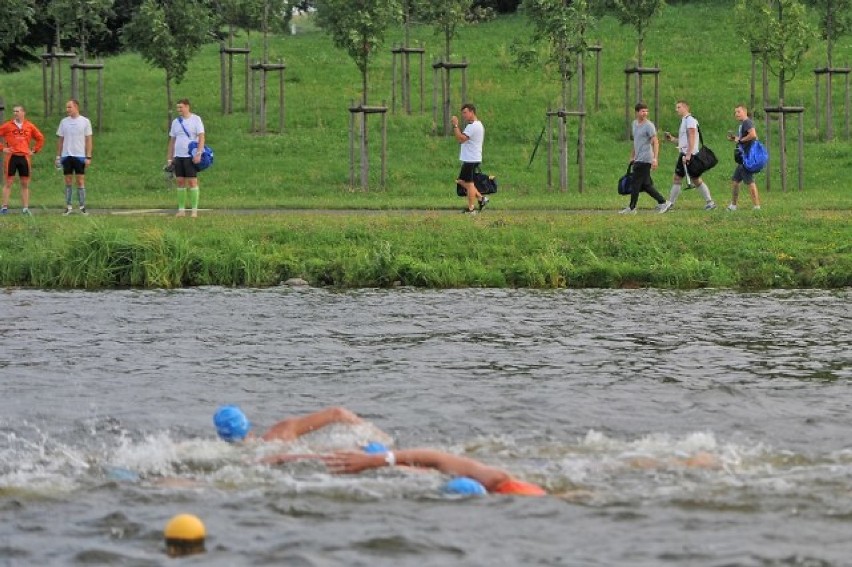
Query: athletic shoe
68,211
627,211
83,211
4,211
26,212
732,207
482,203
756,208
181,213
664,207
710,206
469,211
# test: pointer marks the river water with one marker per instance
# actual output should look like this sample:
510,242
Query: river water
604,397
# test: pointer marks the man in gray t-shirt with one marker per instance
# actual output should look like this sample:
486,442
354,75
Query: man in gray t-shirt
646,149
745,136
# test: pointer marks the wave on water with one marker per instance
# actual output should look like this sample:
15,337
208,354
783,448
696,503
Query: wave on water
595,469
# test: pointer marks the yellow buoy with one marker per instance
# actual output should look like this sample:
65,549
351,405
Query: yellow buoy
184,535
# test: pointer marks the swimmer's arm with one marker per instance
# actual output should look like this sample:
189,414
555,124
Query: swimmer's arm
351,462
290,457
295,427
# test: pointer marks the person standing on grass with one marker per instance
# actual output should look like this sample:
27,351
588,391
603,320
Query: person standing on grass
745,136
19,134
186,128
644,155
74,152
688,143
470,154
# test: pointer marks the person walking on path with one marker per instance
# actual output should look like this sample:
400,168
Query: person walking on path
19,135
186,128
688,144
470,154
74,152
644,155
745,136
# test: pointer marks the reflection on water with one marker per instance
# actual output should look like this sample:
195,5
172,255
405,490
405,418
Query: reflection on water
681,428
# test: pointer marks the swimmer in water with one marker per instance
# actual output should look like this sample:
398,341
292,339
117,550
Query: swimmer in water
232,425
493,480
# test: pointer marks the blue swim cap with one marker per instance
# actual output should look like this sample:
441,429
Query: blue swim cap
464,485
231,423
374,448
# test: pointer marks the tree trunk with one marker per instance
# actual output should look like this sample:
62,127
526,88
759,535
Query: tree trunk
168,100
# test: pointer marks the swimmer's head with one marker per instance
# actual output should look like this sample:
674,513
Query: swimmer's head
519,488
231,423
465,486
375,448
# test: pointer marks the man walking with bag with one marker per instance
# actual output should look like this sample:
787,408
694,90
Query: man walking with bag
745,137
646,150
470,154
688,144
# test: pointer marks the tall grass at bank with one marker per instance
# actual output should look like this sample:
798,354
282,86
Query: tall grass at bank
433,250
307,165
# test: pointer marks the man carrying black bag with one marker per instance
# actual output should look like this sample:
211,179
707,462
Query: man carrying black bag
643,156
688,143
470,154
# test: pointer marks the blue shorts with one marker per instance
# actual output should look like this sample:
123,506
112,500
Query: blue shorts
72,164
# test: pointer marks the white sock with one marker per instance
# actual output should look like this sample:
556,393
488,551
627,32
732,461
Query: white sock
705,192
674,193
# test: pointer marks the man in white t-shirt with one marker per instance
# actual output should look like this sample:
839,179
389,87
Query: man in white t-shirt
186,128
688,144
470,154
74,152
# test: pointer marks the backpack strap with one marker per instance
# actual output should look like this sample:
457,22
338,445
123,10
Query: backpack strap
185,131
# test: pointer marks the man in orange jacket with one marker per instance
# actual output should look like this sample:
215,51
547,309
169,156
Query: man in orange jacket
19,134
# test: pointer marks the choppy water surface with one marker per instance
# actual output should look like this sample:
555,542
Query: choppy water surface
601,396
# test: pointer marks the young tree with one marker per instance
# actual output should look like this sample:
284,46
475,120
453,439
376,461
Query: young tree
638,13
782,30
447,15
835,21
562,25
80,20
358,27
167,33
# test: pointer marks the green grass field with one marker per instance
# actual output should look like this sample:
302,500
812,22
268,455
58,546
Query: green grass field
804,233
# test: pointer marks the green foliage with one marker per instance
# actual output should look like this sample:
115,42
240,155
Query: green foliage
513,249
81,19
15,18
835,21
446,16
639,14
167,33
563,27
781,30
358,27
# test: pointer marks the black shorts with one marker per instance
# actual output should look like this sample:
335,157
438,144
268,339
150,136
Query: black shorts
18,164
184,167
71,164
468,168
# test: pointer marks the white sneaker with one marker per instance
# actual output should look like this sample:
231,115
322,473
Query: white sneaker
756,208
710,206
68,211
663,207
627,211
732,207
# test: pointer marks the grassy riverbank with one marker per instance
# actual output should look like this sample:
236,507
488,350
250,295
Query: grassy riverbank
530,235
431,249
